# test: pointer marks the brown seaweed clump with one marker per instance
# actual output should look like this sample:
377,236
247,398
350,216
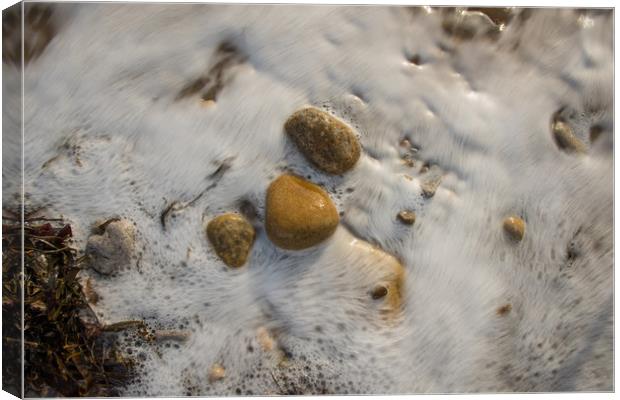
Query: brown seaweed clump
66,351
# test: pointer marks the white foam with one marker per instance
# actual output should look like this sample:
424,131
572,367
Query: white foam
107,85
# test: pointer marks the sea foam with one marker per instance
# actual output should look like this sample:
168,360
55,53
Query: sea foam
105,135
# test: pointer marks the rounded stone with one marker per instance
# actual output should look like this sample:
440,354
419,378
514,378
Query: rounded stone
216,373
111,249
299,214
232,236
407,217
514,227
327,142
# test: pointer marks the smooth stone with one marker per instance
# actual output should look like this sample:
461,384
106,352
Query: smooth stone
407,217
111,251
565,139
232,237
379,292
514,228
327,142
216,373
299,214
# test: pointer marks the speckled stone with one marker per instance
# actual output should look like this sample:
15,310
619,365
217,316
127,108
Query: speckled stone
232,236
514,227
299,214
326,141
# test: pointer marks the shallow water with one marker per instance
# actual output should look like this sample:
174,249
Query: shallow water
106,134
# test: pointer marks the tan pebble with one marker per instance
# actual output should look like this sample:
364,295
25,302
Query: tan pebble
326,141
89,292
407,217
565,139
299,214
216,373
266,341
429,187
514,227
232,237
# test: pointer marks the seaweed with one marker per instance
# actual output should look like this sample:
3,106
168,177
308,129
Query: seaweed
67,352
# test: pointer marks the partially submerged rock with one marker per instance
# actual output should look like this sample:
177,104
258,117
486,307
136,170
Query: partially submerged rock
299,214
514,227
431,181
429,187
326,141
565,138
265,339
407,217
111,251
216,373
232,236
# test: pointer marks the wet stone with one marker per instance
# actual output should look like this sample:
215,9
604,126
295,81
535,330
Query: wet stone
514,228
216,373
407,217
232,237
565,138
324,140
299,214
112,250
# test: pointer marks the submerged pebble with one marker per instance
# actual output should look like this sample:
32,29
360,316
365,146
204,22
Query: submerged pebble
514,227
565,139
326,141
265,339
216,373
407,217
112,250
429,187
299,214
232,237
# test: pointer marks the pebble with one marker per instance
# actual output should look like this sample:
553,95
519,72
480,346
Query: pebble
407,217
232,237
327,142
514,228
429,187
299,214
565,139
111,250
216,373
266,341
